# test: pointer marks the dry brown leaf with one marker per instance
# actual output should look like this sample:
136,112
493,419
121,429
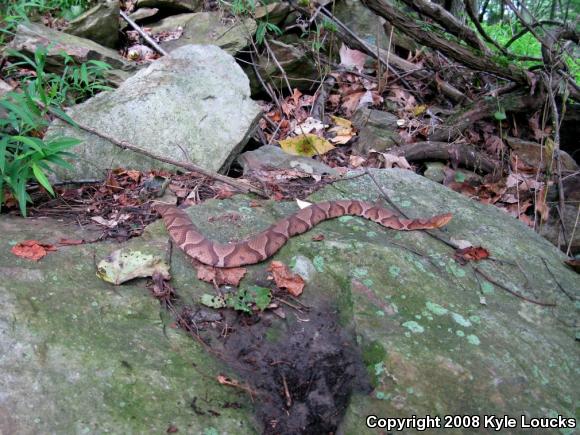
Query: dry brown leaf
494,144
541,207
356,161
473,253
285,279
32,249
352,58
220,276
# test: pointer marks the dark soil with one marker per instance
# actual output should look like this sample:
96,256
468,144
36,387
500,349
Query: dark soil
301,370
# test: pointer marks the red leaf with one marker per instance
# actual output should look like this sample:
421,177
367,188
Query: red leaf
293,283
219,275
472,253
31,249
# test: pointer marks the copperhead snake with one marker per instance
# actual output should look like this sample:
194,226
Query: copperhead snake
266,243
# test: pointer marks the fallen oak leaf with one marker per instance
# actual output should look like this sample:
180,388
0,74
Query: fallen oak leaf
473,253
32,249
284,279
220,276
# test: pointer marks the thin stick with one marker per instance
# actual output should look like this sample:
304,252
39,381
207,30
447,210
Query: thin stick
278,65
573,232
144,35
503,287
189,166
556,152
572,298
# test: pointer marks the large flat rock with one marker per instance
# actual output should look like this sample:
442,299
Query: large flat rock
29,36
193,105
78,354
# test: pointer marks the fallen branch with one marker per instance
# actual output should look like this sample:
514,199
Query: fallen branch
391,60
464,55
463,154
189,166
144,35
510,291
484,108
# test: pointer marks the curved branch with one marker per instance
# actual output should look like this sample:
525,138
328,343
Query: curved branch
448,22
526,30
464,55
463,154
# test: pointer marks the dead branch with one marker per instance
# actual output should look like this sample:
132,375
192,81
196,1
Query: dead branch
408,68
448,22
144,35
322,95
463,154
246,188
464,55
512,102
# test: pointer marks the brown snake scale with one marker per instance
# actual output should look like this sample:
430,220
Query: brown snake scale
266,243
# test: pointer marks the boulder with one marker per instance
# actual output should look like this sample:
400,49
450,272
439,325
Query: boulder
273,13
99,24
206,28
533,154
171,5
192,105
433,338
298,65
30,35
378,130
272,157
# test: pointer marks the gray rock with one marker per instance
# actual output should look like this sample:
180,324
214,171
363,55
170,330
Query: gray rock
435,172
378,130
192,105
299,67
142,13
534,154
207,28
273,157
99,24
79,355
362,21
171,5
29,36
274,12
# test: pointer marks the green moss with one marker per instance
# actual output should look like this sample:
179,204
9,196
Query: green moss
373,353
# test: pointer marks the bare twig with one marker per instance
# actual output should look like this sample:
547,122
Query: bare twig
510,291
144,35
573,232
189,166
556,152
572,298
280,68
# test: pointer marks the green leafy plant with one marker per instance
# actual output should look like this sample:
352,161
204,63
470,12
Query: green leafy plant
75,84
14,12
243,300
24,157
243,7
265,27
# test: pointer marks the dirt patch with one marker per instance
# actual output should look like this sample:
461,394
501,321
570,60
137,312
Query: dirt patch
301,370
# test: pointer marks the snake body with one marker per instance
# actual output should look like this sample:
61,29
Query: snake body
266,243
